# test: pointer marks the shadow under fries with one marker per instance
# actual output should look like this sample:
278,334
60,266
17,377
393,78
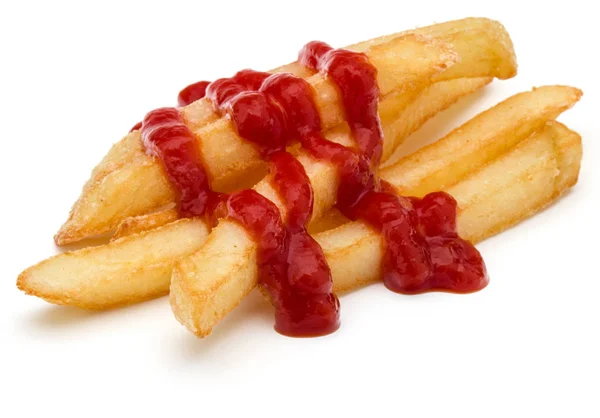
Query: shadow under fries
253,312
51,318
441,124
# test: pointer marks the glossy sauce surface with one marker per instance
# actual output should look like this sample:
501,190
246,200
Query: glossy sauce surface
192,93
422,248
166,136
272,111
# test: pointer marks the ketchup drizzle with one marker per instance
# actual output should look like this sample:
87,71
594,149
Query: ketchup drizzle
423,250
292,266
192,93
165,135
136,127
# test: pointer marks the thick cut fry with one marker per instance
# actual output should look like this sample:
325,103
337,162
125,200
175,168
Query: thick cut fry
528,192
480,140
67,278
491,200
471,27
200,291
127,270
405,64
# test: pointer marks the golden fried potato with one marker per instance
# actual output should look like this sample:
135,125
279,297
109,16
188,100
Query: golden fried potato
474,30
480,140
127,270
541,169
406,63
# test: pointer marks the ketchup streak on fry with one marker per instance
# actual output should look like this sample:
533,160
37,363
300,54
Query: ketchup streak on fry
423,250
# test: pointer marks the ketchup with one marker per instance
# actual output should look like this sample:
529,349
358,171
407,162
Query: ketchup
136,127
192,93
165,136
272,111
423,250
292,266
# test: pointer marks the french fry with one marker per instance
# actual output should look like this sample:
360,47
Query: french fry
445,162
80,279
510,189
490,203
209,283
470,27
130,269
130,183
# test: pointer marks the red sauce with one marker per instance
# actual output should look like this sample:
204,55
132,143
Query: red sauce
136,127
223,90
166,136
422,248
192,93
356,80
272,111
292,267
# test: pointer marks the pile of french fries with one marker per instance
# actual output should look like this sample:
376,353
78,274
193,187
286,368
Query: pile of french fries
502,166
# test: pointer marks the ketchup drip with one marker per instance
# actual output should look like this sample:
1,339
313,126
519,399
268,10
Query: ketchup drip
272,111
166,136
356,80
422,248
292,267
136,127
224,90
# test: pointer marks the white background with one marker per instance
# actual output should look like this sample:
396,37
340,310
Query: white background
76,76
